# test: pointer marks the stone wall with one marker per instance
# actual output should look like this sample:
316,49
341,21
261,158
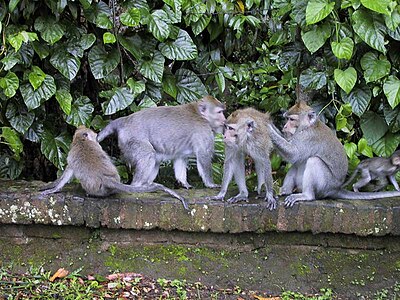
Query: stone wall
352,247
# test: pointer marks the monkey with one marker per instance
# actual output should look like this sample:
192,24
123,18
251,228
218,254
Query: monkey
91,165
319,162
246,133
152,135
380,168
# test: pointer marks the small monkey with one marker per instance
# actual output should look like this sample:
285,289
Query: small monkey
319,162
91,165
152,135
380,168
246,133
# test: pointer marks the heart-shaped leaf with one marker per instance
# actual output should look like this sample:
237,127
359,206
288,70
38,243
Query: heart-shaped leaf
346,79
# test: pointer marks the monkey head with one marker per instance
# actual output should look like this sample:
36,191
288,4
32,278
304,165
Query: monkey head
298,117
83,133
213,111
237,133
395,158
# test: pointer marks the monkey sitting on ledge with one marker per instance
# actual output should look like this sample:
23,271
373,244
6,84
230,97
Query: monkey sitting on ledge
319,162
379,168
91,165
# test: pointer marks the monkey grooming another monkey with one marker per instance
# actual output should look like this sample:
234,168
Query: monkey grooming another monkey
380,168
246,133
319,162
152,135
91,165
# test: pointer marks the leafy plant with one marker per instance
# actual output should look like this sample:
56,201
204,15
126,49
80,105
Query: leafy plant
66,63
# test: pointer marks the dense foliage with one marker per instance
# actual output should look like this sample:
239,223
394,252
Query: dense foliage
64,63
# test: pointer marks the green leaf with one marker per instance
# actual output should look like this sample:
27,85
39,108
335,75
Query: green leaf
374,68
12,5
346,79
12,139
158,26
316,37
17,39
50,30
364,148
391,88
370,28
67,64
359,99
81,112
109,38
201,24
36,77
87,41
318,10
350,149
64,98
99,13
34,98
373,127
9,84
10,167
182,48
220,79
190,87
102,62
137,87
19,118
153,69
121,99
55,148
131,17
41,49
385,146
10,60
343,49
169,85
310,79
380,6
393,21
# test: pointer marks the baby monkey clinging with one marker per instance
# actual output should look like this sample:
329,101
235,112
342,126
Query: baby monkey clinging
377,168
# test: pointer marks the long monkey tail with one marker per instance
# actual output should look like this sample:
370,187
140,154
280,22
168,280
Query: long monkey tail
108,130
348,195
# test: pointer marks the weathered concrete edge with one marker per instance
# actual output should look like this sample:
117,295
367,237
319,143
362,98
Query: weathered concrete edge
21,203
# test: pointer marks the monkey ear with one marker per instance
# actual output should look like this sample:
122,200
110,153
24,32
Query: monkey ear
312,116
202,108
250,125
85,134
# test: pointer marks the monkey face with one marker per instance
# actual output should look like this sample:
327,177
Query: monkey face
230,134
292,123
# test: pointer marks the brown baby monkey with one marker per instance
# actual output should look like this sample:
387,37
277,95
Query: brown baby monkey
91,165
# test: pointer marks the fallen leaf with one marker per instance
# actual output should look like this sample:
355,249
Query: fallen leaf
61,273
269,298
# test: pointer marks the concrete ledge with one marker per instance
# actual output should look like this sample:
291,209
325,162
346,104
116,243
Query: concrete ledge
21,203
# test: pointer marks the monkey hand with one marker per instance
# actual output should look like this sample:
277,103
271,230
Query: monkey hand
292,199
238,198
271,201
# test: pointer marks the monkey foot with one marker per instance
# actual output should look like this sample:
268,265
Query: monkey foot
237,199
271,203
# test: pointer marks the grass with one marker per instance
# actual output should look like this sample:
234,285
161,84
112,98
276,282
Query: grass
37,283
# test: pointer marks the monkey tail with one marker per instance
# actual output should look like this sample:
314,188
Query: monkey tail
108,130
350,178
348,195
